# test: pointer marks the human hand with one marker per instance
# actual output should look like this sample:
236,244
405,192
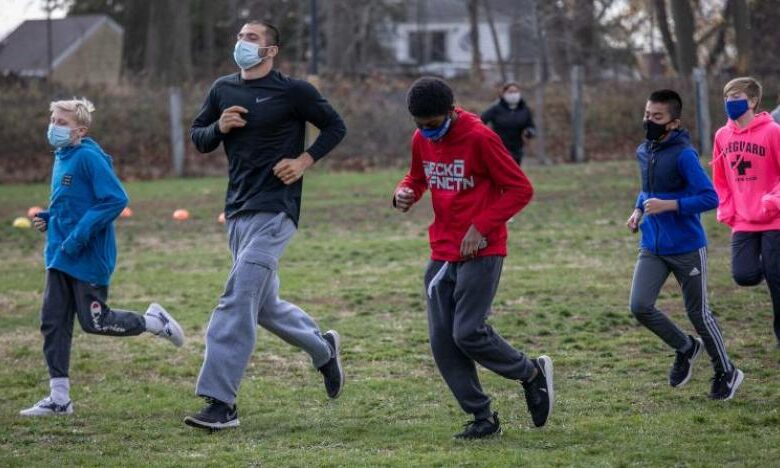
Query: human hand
231,118
404,199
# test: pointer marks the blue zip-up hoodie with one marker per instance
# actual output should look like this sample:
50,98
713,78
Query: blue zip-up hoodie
86,198
670,170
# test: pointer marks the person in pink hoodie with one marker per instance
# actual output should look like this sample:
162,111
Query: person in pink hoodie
746,175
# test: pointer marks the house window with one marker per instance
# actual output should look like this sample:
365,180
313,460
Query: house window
428,46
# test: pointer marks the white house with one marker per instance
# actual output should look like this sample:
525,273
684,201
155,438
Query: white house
435,35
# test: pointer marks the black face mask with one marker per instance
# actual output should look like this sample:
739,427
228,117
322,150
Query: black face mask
654,131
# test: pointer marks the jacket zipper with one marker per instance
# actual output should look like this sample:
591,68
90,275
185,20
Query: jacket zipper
651,176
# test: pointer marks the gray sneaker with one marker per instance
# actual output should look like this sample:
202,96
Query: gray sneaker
48,407
171,330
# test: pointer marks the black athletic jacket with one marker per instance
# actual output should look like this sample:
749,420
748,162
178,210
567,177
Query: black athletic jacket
510,124
279,107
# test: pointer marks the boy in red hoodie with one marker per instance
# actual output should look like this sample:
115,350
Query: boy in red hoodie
746,174
475,188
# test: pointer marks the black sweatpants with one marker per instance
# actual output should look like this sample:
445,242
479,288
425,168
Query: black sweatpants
459,299
755,256
64,297
690,271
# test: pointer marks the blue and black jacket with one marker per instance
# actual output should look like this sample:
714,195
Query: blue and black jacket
86,198
670,170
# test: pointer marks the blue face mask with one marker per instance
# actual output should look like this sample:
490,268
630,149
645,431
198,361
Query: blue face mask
435,134
58,136
737,108
247,55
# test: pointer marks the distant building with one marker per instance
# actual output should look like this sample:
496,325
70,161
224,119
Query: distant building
434,37
84,49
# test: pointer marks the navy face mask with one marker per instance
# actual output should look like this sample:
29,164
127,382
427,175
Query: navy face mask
736,108
435,134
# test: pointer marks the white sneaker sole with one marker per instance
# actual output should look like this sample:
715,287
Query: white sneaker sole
177,334
337,340
194,422
35,412
691,362
547,369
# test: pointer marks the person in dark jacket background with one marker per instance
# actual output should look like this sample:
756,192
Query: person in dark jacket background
511,118
675,191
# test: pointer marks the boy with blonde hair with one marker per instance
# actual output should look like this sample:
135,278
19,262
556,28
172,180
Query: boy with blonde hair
746,174
80,253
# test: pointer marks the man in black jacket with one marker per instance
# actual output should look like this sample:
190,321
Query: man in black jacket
259,115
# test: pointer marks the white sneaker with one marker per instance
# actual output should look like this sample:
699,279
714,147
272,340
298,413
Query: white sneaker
47,407
171,330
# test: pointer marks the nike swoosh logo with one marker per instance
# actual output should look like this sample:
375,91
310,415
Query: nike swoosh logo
259,100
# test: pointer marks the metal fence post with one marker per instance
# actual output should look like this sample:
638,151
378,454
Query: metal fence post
177,130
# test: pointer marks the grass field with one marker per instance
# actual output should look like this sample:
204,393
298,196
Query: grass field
356,266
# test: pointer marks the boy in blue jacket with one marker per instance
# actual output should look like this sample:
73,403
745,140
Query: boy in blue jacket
675,190
86,198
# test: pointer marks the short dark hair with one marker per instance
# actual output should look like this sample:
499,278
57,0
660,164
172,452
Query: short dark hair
670,98
429,97
272,37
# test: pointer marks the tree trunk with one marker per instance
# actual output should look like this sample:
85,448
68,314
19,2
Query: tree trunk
666,33
494,35
683,30
476,55
742,31
584,44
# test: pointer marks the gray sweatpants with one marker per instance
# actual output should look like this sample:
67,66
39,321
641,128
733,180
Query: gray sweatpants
66,297
459,301
251,297
690,270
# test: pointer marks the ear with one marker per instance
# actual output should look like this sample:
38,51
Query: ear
271,53
675,124
753,104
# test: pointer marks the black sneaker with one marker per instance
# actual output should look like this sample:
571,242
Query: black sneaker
215,415
539,393
480,428
682,369
725,384
332,372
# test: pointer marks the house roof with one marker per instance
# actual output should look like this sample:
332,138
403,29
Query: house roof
456,11
25,52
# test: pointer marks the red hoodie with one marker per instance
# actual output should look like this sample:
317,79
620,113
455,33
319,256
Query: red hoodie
473,180
746,174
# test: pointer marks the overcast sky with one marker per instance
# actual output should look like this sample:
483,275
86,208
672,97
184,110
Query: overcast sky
14,12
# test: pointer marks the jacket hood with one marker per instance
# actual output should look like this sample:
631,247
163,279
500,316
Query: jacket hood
761,119
87,143
678,137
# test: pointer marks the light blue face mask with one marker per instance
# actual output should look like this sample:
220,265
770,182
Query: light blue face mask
247,54
435,134
58,136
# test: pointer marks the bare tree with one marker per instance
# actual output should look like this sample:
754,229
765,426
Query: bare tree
476,55
666,33
683,31
742,32
494,35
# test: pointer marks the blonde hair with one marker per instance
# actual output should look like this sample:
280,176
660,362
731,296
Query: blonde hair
744,84
82,109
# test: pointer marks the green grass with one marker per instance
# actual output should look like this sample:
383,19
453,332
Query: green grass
356,265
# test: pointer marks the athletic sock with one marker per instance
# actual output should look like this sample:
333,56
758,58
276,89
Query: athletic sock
60,390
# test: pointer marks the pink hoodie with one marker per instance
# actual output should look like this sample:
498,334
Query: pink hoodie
746,174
